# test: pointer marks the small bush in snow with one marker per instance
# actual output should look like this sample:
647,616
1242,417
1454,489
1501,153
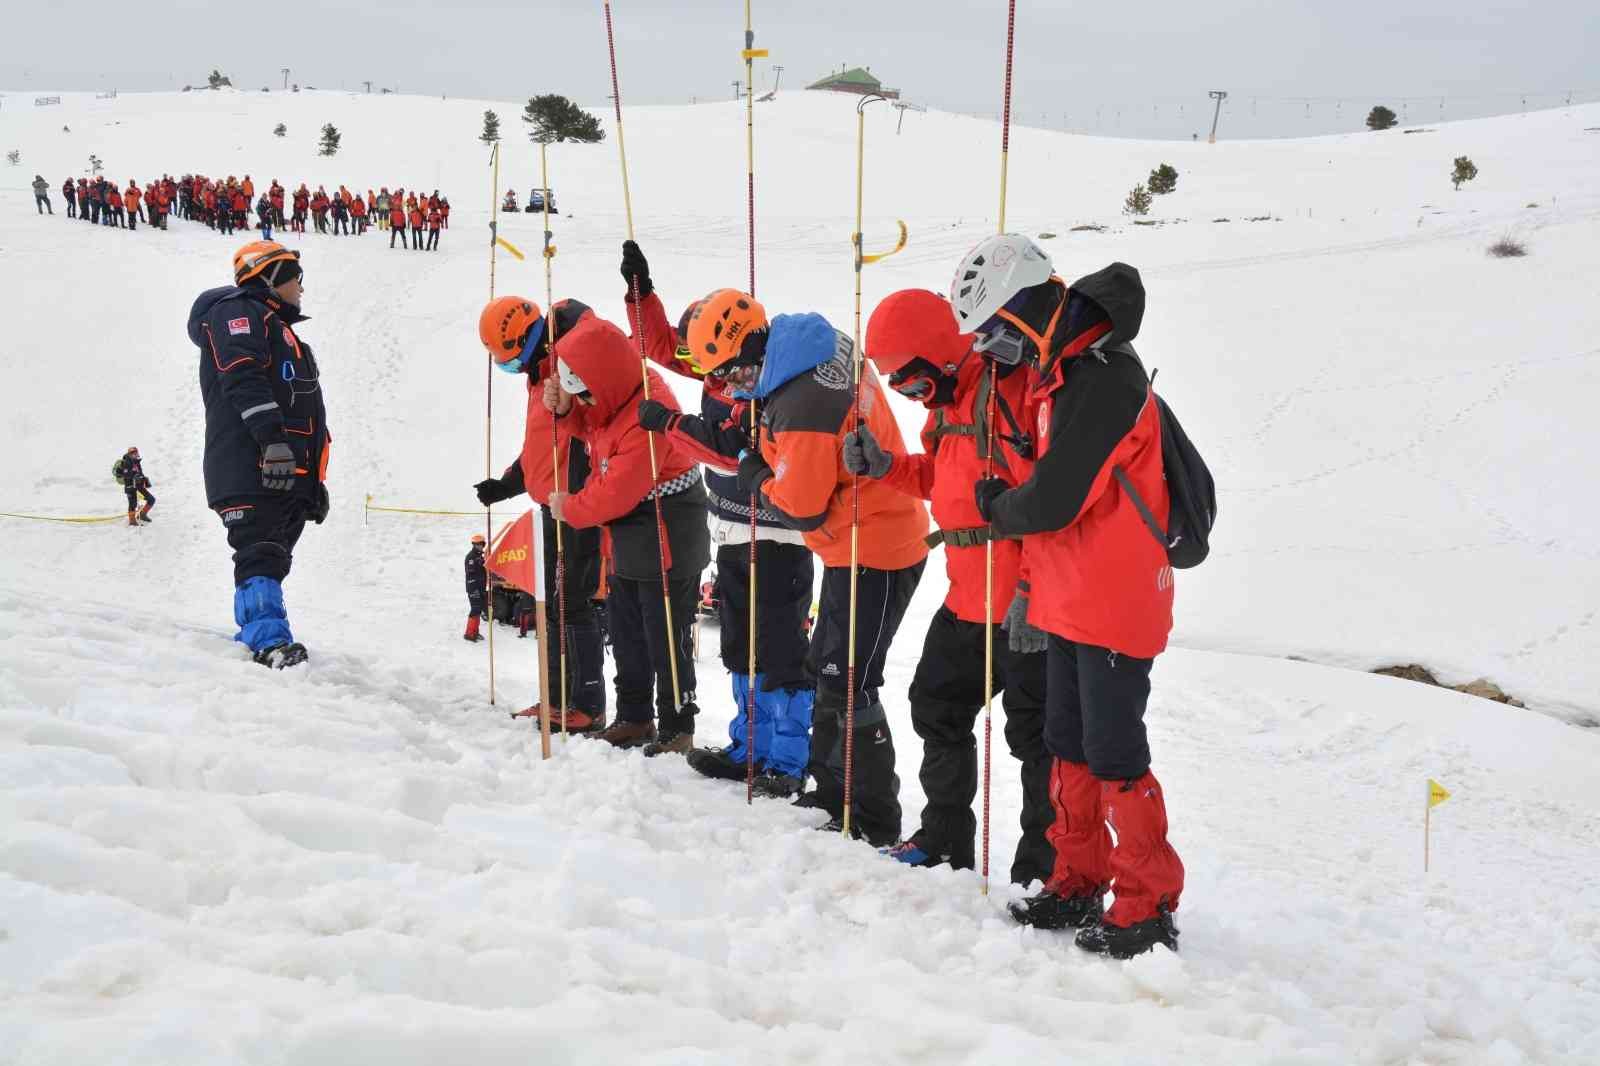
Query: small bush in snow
1163,179
1463,169
217,79
1381,118
1138,201
96,165
330,140
279,130
1508,248
13,157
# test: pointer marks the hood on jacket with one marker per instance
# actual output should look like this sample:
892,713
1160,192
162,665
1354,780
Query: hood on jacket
609,363
795,345
1119,293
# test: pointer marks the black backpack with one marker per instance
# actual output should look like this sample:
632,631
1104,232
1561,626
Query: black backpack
1192,492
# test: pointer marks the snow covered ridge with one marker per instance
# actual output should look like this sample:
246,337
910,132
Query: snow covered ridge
201,862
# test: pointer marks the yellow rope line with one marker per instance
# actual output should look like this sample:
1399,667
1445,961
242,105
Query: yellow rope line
84,520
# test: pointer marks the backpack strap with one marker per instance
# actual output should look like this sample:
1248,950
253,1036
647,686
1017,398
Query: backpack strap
1139,505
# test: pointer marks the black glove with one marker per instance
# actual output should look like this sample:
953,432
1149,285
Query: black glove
753,473
863,454
636,271
657,417
277,467
1022,638
491,491
319,510
985,493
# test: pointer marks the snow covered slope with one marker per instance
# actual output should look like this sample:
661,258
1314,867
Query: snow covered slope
202,863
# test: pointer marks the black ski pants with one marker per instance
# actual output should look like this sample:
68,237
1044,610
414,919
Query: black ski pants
262,531
584,654
433,239
43,204
946,699
784,576
133,493
341,225
881,600
1094,709
394,232
72,207
224,221
639,648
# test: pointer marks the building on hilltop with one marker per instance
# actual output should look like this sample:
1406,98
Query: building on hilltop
857,80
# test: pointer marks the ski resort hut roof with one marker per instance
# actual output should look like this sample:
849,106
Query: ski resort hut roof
858,80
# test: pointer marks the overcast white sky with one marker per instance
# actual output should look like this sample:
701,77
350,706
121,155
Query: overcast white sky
1292,67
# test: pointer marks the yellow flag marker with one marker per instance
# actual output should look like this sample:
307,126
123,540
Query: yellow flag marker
1437,794
508,246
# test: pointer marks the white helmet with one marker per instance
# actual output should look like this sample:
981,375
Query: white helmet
570,382
992,273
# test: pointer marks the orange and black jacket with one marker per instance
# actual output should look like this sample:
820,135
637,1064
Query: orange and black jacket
806,411
259,383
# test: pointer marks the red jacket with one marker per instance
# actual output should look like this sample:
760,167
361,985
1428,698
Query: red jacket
1099,576
416,218
954,443
617,496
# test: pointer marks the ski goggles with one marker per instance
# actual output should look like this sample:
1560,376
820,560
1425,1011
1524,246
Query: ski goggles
519,363
686,357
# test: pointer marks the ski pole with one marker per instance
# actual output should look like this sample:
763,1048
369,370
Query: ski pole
488,382
855,479
750,53
988,543
555,446
644,374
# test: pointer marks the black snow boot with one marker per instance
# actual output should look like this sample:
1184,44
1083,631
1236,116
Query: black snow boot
717,763
282,656
1126,941
1050,911
776,785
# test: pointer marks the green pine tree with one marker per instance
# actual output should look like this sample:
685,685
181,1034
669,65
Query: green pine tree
1381,118
555,118
330,140
1462,170
1163,179
491,128
1138,201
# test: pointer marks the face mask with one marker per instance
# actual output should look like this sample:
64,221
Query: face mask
570,382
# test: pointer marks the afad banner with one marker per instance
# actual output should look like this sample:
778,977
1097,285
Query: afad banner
514,556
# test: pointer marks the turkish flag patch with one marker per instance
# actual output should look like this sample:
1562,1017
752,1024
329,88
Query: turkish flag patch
237,326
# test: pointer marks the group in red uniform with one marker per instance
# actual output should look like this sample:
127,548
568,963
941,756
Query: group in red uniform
226,204
1041,451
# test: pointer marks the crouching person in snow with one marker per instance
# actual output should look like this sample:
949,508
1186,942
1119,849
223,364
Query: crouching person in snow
799,368
912,339
477,587
1108,602
596,398
784,692
515,333
266,450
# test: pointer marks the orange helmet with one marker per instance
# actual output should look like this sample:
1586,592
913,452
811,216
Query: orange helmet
719,325
257,257
510,327
477,538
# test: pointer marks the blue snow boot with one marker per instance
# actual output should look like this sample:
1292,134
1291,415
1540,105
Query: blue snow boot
263,622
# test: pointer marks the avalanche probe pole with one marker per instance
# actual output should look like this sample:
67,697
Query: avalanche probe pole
988,542
555,446
635,321
750,54
488,387
855,479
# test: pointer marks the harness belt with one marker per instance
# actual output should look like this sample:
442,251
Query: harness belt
974,537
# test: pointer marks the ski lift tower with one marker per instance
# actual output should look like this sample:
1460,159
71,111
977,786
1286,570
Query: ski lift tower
1218,95
903,106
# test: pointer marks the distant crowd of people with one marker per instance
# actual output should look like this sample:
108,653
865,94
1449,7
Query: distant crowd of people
225,205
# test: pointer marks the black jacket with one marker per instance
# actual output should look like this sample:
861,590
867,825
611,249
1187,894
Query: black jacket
133,473
259,384
477,576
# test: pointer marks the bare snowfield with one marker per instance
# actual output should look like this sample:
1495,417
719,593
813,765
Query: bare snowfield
201,862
